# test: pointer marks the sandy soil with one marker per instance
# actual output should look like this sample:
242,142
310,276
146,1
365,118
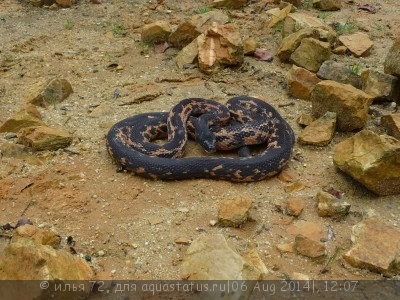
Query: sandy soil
125,223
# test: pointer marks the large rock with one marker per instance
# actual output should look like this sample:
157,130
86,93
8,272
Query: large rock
44,138
310,54
49,92
392,61
31,256
209,257
376,247
332,70
300,82
290,43
320,132
219,46
296,21
26,117
189,30
372,159
155,32
379,85
350,104
358,43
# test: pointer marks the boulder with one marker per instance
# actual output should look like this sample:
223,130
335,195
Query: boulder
311,53
300,82
350,104
371,159
49,92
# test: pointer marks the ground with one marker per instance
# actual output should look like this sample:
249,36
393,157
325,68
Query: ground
128,225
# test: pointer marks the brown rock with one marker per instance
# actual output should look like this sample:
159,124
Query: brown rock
310,54
102,110
372,159
49,92
249,46
44,138
296,21
308,229
392,63
290,43
285,248
330,206
234,212
232,4
26,117
188,54
188,30
320,132
13,150
221,45
300,82
305,119
392,124
294,207
182,241
158,31
309,247
37,235
379,85
376,247
350,104
358,43
65,3
329,5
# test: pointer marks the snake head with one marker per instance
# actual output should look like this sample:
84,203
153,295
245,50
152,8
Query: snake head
207,140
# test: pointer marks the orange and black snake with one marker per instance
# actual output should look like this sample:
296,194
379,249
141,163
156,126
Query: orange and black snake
242,121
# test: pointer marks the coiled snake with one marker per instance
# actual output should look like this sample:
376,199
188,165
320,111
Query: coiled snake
243,121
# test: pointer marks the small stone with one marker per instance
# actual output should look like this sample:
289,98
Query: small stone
300,276
305,119
182,241
330,206
309,247
294,207
65,3
234,212
213,222
358,43
250,45
285,248
101,253
102,110
230,4
158,31
49,92
328,5
310,229
320,132
392,124
44,138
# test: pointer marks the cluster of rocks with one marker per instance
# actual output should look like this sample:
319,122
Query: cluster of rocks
210,257
27,125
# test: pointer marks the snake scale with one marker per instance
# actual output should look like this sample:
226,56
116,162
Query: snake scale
241,122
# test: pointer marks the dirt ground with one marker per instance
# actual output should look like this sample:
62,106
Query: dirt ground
126,224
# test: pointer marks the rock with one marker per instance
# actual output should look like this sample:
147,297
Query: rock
300,82
350,104
379,85
31,256
296,21
285,248
372,159
26,117
328,5
392,124
392,62
309,247
376,247
49,92
305,228
279,15
188,54
290,43
305,119
310,54
102,110
249,46
44,138
219,46
141,93
252,257
156,32
182,241
65,3
300,276
330,206
340,50
294,207
210,258
320,132
234,212
230,4
188,30
12,150
331,70
358,43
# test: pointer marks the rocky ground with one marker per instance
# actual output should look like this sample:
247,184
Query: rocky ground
128,227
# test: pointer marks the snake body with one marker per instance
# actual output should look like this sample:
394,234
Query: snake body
130,141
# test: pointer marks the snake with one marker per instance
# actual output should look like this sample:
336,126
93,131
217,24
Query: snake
243,123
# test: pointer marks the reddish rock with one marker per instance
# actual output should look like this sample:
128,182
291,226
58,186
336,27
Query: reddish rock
301,82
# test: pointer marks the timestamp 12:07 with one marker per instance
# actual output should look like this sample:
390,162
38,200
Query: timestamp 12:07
340,285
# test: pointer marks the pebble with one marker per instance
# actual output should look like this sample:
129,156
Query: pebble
101,253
